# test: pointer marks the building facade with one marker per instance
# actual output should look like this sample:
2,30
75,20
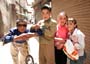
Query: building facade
10,10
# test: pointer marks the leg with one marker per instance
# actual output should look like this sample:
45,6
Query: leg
49,53
14,53
60,57
23,53
41,55
79,61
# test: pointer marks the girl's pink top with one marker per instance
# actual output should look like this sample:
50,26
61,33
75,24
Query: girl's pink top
62,32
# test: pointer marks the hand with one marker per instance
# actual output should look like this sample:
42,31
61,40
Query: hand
17,38
37,27
60,46
23,36
20,37
59,40
32,35
74,38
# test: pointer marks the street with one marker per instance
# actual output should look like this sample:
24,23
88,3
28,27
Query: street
5,56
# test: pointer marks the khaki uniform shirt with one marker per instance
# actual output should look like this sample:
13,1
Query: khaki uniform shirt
49,29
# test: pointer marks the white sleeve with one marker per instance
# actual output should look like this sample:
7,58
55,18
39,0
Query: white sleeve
81,42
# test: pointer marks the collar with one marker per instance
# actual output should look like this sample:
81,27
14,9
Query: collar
74,31
48,20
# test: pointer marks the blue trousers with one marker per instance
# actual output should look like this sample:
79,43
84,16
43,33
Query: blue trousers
79,61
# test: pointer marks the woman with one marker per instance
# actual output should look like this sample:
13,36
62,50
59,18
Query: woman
77,38
60,37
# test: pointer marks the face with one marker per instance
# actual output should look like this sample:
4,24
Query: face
62,19
71,26
46,14
21,26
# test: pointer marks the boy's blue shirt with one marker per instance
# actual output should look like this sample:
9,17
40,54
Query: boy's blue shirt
14,32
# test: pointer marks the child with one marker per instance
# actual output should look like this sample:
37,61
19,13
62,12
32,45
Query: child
77,38
48,27
60,37
18,37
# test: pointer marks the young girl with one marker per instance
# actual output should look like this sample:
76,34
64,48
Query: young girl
77,38
60,38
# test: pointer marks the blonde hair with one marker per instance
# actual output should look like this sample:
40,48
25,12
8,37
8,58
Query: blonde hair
62,13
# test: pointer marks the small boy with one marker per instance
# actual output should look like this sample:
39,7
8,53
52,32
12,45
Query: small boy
48,27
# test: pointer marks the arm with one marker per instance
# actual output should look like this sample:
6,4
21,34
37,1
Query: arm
36,29
12,36
61,40
81,42
9,37
24,36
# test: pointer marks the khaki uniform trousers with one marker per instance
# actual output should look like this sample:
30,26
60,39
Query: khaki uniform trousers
15,49
46,54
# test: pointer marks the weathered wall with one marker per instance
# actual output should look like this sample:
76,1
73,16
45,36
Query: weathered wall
1,26
79,9
7,16
4,16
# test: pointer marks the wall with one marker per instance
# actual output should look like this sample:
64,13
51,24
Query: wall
8,13
4,16
1,26
79,9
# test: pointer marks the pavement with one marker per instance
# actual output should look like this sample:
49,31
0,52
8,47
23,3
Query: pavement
6,58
